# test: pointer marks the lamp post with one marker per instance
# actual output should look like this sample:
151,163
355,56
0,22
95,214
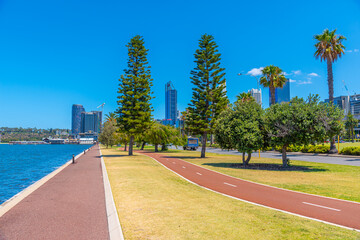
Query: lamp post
257,79
258,83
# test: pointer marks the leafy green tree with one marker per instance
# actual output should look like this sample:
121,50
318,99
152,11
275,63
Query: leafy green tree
329,48
106,136
272,78
121,138
209,91
173,137
134,92
240,127
332,117
350,124
156,135
298,123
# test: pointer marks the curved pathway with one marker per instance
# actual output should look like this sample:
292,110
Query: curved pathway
334,211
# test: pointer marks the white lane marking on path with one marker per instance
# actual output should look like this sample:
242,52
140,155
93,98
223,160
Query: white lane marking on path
232,185
184,167
334,209
174,162
198,173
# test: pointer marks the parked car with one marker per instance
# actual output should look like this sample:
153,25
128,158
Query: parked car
192,144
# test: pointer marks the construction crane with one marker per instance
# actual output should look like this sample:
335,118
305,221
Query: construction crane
102,109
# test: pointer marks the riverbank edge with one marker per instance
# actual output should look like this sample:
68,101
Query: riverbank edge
9,204
115,230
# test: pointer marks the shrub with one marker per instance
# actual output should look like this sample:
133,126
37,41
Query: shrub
350,151
315,149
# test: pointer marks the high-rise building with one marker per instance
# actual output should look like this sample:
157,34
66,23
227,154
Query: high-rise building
256,93
170,104
77,109
91,122
281,94
342,102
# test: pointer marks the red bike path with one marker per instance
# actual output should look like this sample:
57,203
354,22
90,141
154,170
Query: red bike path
71,205
334,211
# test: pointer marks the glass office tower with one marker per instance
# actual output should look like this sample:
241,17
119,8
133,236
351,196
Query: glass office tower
281,94
170,104
77,109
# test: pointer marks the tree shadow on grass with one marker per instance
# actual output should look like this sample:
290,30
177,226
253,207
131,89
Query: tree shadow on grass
267,167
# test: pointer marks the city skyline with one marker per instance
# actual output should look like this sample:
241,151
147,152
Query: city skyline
53,58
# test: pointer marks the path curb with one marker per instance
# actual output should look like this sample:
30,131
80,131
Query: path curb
115,230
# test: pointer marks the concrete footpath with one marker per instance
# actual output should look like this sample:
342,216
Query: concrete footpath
71,205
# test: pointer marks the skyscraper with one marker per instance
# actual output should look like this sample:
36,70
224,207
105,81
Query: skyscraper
256,93
170,104
281,94
91,122
77,109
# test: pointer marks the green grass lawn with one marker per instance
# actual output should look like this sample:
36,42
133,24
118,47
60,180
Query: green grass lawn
331,180
154,203
348,144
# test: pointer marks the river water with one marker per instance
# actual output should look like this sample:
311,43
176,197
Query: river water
22,165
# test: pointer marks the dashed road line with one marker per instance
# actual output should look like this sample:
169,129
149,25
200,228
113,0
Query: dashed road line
183,167
198,173
312,204
232,185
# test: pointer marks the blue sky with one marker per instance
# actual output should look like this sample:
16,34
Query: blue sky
56,53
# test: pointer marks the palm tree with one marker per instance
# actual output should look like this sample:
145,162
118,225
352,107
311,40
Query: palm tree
272,78
110,117
244,97
329,48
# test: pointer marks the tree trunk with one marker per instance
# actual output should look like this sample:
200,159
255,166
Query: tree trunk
143,145
211,140
163,147
246,162
125,146
284,158
352,134
203,142
156,148
332,146
330,80
272,93
248,158
131,145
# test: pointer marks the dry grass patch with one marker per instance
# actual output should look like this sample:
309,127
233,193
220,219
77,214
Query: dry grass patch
154,203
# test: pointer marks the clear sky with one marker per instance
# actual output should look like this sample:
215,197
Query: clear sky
56,53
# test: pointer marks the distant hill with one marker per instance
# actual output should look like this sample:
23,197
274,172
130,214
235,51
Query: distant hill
31,134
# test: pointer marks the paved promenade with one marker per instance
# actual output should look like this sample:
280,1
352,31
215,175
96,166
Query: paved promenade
71,205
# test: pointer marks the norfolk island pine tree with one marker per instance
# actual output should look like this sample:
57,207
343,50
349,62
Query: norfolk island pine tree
134,111
209,94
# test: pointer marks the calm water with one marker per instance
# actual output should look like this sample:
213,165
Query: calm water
22,165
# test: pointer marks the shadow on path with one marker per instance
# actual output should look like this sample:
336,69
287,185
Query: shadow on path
267,167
